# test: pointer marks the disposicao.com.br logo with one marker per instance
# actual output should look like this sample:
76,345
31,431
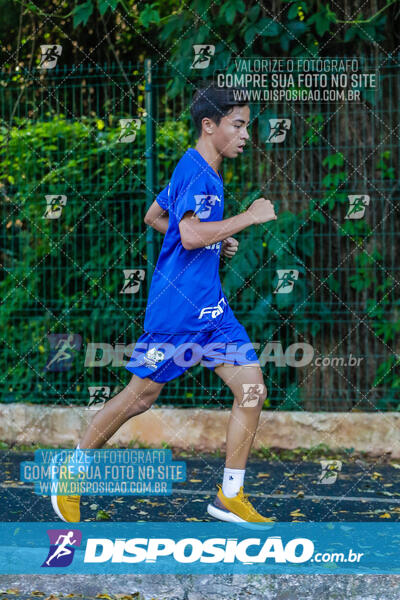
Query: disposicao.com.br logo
212,550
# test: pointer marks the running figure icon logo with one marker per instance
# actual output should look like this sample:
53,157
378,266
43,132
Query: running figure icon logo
63,348
49,56
204,204
98,396
251,394
54,206
129,129
202,55
62,547
286,280
329,471
133,279
278,130
357,206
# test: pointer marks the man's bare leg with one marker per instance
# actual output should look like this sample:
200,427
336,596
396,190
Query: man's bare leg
243,420
231,504
134,399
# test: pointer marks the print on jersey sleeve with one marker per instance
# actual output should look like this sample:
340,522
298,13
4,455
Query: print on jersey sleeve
194,196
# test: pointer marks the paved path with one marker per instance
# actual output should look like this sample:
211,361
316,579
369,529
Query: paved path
288,490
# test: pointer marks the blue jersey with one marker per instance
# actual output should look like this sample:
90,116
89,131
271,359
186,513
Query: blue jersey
162,198
185,293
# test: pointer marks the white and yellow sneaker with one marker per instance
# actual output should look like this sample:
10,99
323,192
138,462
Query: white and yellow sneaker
235,510
66,507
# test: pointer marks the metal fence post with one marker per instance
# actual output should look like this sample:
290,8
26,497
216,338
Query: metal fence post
149,154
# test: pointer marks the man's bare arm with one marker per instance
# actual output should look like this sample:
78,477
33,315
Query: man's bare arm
157,217
197,234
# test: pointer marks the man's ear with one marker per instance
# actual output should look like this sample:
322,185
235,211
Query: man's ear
208,125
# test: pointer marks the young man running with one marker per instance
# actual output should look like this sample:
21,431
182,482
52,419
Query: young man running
187,308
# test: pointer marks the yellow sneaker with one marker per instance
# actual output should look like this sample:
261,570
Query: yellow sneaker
66,507
235,510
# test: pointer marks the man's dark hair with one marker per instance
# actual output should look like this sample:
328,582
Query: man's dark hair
215,102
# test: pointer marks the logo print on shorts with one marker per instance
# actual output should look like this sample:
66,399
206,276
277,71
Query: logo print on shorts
62,547
152,357
214,311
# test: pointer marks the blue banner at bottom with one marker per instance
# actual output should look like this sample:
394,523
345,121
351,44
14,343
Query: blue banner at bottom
197,548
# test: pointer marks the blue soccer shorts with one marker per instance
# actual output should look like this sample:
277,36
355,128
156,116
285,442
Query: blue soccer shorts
163,356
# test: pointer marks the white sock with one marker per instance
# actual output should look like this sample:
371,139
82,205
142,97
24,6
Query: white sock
232,482
80,458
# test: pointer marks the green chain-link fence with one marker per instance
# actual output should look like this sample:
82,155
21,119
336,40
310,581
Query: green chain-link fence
60,134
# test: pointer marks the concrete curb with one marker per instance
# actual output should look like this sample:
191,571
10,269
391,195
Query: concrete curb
205,430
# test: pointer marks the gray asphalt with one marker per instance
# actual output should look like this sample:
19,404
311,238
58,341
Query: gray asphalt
287,490
363,491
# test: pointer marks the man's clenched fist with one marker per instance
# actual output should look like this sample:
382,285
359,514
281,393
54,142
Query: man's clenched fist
261,211
229,247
